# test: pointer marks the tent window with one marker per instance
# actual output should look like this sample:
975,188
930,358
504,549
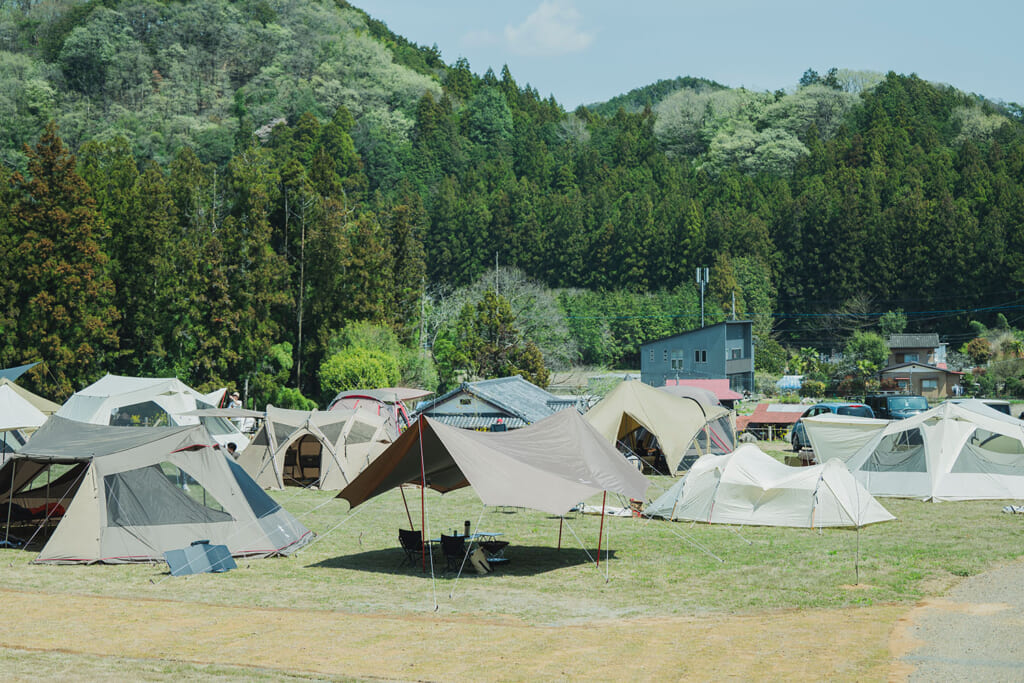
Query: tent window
332,431
261,504
990,453
147,414
900,452
361,432
158,495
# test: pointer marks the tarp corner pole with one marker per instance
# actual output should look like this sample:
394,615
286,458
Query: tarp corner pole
600,531
423,499
561,521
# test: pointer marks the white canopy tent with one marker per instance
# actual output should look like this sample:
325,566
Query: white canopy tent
750,487
147,402
961,451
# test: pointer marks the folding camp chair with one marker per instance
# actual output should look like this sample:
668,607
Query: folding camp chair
412,544
454,549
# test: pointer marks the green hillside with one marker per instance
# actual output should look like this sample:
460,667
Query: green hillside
244,191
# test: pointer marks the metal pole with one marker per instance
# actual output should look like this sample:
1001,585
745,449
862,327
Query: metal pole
423,498
600,531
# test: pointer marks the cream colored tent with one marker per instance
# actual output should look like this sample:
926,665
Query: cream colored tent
959,451
750,487
677,423
325,449
129,494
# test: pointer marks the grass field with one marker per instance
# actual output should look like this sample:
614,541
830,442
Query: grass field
649,568
655,567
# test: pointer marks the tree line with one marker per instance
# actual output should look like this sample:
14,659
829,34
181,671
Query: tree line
203,194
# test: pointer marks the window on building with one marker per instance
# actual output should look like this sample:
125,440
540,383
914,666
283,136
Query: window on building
652,355
910,358
929,385
736,354
700,356
664,355
677,358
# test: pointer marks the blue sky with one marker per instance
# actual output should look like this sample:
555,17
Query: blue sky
584,51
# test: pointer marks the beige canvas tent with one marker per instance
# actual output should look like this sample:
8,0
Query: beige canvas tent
956,451
129,494
325,449
550,465
679,424
750,487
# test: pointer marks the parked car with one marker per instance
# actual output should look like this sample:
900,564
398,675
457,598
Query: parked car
798,435
896,406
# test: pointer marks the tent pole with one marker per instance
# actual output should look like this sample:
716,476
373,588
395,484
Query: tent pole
10,500
600,532
561,520
423,498
402,489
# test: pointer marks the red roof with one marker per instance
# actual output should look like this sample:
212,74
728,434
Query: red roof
720,387
771,414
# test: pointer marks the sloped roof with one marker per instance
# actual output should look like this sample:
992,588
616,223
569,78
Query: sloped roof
514,395
719,387
772,414
924,367
927,340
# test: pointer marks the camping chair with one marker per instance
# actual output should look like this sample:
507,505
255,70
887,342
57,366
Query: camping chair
412,544
454,549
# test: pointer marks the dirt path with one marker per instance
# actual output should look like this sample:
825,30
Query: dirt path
846,644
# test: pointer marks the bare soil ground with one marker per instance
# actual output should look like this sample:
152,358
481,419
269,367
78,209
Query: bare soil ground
813,644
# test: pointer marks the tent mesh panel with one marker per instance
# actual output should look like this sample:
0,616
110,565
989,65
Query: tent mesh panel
158,495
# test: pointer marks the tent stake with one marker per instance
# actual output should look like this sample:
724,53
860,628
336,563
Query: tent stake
600,532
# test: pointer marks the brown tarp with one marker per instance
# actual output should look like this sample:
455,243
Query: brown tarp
550,465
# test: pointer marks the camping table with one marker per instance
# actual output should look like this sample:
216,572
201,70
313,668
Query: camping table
480,538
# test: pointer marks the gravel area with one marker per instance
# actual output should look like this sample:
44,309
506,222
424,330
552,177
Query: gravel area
975,633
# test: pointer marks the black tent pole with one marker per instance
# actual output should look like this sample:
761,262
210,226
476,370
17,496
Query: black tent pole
10,499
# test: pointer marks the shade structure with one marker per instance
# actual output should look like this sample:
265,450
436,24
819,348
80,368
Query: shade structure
45,406
675,421
550,465
16,412
129,494
750,487
325,449
955,451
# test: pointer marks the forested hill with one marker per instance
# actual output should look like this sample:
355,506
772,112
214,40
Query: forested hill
227,186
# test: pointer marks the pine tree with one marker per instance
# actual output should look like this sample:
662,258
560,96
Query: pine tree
64,292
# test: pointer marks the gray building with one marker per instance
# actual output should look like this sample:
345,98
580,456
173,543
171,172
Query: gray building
722,351
511,402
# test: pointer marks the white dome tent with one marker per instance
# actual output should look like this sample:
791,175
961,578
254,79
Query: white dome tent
956,451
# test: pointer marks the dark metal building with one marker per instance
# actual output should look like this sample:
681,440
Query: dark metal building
722,351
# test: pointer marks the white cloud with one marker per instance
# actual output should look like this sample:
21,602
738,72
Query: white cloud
553,29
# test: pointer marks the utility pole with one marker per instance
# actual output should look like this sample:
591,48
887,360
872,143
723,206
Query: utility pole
702,280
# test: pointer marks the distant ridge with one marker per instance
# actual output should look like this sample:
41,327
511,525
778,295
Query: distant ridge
638,98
